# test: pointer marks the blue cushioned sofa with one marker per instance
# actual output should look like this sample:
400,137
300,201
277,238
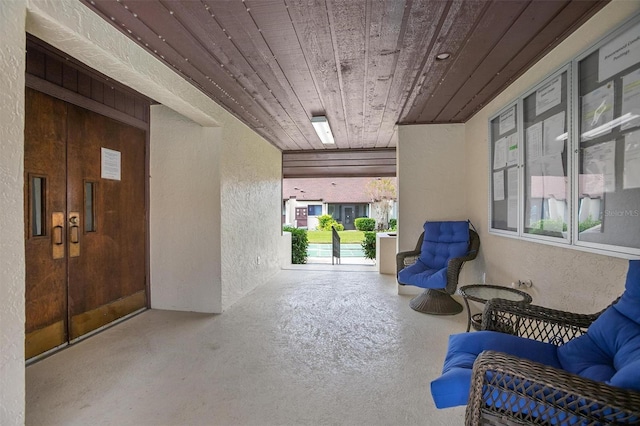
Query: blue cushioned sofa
533,365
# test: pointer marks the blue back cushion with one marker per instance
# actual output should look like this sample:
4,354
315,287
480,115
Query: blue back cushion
443,241
610,351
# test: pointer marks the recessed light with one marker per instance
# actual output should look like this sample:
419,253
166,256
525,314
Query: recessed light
442,56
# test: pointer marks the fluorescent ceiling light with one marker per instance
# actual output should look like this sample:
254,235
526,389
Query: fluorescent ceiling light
321,126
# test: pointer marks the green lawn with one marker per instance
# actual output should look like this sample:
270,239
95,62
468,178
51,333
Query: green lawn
346,237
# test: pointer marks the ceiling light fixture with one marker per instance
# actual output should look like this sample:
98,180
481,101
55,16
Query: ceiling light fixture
321,126
442,56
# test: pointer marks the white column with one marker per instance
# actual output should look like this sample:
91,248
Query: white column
184,217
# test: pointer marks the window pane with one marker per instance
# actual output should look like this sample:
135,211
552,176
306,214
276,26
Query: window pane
546,201
609,154
89,209
37,206
315,210
504,170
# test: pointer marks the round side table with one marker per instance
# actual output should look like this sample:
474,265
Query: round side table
485,292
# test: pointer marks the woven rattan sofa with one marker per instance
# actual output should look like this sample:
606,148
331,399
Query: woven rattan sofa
543,366
504,388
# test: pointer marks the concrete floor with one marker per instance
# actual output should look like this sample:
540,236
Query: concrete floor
314,346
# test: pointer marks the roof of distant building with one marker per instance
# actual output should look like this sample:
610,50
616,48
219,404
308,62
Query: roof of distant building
328,190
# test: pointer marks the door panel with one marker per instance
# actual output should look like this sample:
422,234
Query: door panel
301,217
107,280
44,159
348,218
82,272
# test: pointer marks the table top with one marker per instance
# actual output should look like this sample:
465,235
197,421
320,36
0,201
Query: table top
484,292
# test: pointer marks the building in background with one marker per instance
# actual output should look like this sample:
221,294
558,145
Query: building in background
345,199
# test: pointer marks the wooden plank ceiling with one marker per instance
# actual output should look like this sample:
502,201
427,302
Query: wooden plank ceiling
365,64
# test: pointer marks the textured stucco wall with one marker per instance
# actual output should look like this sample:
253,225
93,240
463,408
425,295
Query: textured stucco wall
431,180
285,250
251,194
12,66
184,213
563,278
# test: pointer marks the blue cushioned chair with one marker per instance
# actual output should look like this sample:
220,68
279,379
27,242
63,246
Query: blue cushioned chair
554,367
435,265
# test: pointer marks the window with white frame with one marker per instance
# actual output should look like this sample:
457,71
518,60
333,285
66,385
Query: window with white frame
314,210
565,156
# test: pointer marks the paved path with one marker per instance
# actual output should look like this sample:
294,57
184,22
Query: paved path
324,250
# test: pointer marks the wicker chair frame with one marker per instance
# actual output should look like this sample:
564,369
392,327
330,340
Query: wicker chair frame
507,390
439,301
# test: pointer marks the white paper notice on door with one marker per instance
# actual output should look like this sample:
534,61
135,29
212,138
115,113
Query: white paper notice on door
110,164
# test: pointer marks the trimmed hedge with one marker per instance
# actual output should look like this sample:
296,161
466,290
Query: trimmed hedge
365,224
299,245
369,245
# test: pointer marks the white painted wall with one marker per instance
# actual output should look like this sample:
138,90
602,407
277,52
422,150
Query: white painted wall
184,213
431,178
285,250
431,181
251,197
12,66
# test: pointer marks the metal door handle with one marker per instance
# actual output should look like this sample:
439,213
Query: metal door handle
74,234
57,235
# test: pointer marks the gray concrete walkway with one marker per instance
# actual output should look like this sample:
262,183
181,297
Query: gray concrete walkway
325,250
311,347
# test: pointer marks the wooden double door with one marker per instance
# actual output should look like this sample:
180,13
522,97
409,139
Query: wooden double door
85,224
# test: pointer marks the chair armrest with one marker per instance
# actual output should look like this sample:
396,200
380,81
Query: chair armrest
400,259
511,390
453,271
455,265
534,322
401,262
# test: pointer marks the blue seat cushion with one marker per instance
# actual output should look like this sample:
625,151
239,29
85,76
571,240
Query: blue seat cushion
422,276
610,350
452,387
